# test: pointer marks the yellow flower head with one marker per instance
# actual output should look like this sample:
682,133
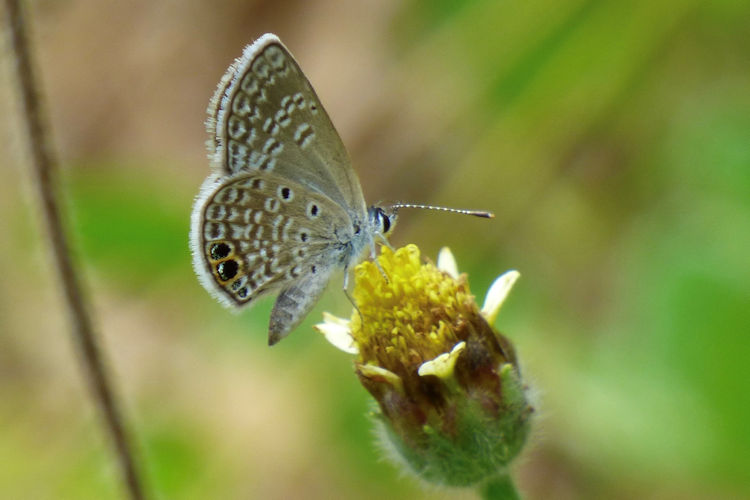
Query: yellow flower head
413,316
447,385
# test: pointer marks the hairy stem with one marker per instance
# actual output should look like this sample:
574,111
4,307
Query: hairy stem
500,487
45,169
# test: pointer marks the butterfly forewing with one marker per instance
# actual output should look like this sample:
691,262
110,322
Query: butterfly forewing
258,232
268,118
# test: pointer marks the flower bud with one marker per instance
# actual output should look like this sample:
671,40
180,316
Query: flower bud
451,402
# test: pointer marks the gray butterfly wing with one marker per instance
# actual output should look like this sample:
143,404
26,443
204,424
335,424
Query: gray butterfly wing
266,116
295,302
256,232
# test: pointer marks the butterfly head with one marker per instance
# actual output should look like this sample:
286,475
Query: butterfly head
382,219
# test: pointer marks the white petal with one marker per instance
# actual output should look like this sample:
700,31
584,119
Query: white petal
497,293
447,263
443,365
338,332
378,373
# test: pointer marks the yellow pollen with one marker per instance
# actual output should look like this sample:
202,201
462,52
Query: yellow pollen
411,317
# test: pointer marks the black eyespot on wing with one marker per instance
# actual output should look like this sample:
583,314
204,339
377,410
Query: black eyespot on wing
303,237
220,250
242,293
227,269
286,193
313,269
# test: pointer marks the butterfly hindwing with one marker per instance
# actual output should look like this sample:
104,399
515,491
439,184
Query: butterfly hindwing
294,302
254,233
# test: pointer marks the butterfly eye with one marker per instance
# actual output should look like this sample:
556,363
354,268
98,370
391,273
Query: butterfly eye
383,220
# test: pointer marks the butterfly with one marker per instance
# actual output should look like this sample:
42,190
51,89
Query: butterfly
283,208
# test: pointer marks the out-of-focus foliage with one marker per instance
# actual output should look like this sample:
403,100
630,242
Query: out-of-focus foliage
612,139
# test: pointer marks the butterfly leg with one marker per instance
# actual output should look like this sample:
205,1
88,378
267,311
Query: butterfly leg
374,257
383,242
349,296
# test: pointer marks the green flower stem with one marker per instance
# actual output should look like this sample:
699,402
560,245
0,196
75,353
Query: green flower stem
500,487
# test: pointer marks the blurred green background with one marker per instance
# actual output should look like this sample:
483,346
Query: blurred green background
612,140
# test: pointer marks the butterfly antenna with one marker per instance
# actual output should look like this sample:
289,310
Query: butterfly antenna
476,213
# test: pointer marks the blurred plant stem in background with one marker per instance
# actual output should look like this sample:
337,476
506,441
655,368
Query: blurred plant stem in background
452,406
45,166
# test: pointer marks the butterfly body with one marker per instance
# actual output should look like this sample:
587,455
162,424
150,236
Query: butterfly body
283,208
